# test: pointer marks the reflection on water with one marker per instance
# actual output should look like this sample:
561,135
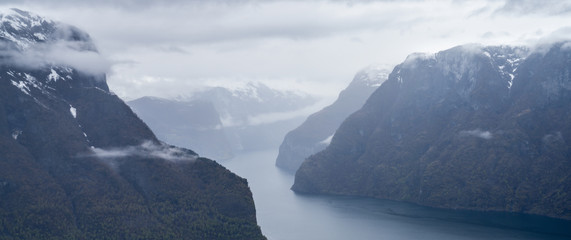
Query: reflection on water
285,215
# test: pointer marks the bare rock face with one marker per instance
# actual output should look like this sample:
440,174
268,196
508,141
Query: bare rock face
472,127
77,163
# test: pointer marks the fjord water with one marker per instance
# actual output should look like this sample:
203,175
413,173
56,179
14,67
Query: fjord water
285,215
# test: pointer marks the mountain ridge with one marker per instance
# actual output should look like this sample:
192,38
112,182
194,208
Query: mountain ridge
77,163
315,133
462,129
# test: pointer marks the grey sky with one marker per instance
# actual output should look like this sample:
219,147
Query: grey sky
170,48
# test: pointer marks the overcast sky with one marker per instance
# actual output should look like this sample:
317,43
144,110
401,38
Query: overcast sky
171,47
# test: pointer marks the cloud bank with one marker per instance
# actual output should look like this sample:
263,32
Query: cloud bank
57,53
176,46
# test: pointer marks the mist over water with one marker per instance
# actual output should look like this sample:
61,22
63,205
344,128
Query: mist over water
285,215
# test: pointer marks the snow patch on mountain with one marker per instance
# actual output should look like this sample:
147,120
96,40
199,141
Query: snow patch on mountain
248,91
73,111
374,75
459,65
507,60
27,83
16,133
54,76
22,86
23,28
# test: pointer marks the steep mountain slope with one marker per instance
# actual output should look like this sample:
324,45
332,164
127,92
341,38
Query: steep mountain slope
195,125
255,116
76,163
484,128
315,133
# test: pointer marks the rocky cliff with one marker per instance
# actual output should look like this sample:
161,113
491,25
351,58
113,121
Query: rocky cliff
472,127
76,163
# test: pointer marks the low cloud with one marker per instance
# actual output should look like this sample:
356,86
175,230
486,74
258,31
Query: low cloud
229,121
53,43
268,118
145,150
57,53
413,58
487,135
264,118
544,44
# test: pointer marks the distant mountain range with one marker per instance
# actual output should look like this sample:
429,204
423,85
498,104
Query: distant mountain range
472,127
218,122
255,116
77,163
315,133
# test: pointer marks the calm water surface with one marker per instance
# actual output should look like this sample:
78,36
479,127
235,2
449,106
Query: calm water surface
285,215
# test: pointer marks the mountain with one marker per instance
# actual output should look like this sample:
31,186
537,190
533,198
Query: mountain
195,125
472,127
255,116
315,133
77,163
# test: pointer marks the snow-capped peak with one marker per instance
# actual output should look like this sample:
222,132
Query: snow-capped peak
372,76
248,91
22,30
462,62
41,57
